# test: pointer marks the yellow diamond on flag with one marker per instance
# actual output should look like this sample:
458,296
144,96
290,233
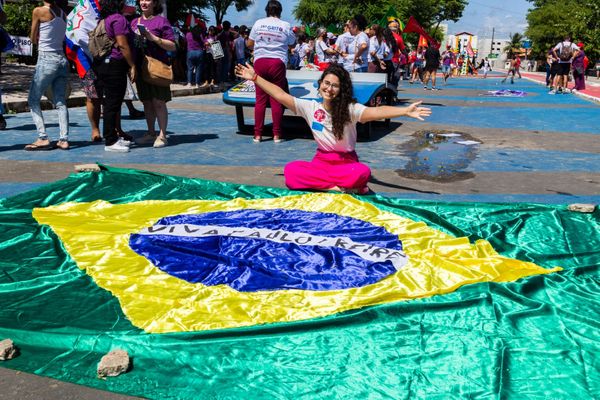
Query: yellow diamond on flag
200,265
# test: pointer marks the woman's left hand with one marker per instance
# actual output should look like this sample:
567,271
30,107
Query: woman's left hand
245,71
414,111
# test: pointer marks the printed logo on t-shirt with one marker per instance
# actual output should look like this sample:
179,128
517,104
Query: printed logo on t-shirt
319,115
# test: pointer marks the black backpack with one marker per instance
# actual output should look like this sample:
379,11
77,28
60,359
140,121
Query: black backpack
100,44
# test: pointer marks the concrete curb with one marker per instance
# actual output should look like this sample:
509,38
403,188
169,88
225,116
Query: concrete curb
580,94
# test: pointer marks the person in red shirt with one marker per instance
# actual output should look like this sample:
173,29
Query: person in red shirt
518,67
394,26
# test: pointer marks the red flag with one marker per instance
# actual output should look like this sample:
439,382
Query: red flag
413,26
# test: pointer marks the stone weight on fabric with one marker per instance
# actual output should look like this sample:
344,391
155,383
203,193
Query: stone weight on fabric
8,350
582,208
114,363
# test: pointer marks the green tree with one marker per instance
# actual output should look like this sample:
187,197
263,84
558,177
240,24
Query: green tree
18,17
429,13
516,42
178,10
549,20
219,7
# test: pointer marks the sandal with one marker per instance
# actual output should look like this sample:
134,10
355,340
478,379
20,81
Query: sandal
96,138
63,145
38,147
277,139
257,139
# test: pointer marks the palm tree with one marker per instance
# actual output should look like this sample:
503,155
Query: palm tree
515,44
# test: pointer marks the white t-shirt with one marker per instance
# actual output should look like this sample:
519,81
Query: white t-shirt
321,125
343,42
272,37
378,48
320,47
559,48
358,41
302,50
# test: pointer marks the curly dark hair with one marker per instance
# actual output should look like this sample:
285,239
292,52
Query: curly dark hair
110,7
340,113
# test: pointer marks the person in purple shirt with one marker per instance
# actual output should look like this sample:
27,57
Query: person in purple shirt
195,55
112,73
155,39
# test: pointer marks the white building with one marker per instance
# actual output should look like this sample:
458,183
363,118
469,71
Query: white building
460,41
493,50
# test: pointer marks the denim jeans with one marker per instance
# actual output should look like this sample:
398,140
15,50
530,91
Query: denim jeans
195,61
50,71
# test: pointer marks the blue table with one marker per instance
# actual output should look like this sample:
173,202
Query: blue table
369,89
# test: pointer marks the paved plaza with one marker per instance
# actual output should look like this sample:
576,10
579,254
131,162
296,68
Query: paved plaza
474,147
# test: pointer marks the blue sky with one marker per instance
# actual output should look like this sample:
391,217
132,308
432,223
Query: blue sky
479,17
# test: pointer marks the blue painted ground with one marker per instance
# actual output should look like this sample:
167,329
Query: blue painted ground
210,139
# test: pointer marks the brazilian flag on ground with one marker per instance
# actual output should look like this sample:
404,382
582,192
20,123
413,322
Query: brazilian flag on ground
228,291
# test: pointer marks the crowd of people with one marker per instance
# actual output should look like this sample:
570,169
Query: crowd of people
564,60
214,56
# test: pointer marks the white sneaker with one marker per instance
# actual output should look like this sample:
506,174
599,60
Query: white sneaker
125,142
552,91
117,147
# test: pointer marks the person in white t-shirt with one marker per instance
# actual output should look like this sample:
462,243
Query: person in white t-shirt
565,51
356,54
324,53
271,39
378,50
343,42
333,124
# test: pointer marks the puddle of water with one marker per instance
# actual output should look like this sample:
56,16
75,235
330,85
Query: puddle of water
440,156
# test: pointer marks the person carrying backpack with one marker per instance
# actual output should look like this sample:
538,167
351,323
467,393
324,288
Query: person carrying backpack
564,51
112,61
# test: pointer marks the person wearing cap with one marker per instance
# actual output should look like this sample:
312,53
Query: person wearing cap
325,54
578,66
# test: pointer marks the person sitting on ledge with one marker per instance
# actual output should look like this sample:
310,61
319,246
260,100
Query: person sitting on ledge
333,124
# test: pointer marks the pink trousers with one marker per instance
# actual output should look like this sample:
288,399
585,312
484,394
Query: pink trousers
326,170
273,70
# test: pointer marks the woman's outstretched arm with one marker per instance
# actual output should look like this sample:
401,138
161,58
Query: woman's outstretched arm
285,99
385,112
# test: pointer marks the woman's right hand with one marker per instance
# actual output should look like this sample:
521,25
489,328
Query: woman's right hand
245,71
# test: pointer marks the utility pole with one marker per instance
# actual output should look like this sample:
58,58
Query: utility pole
492,47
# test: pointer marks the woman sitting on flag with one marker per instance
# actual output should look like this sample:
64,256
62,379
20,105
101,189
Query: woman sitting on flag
333,124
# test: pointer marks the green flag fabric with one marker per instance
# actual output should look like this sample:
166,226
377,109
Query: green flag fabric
390,15
520,318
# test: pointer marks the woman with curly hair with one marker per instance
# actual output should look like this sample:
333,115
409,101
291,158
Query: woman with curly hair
333,124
